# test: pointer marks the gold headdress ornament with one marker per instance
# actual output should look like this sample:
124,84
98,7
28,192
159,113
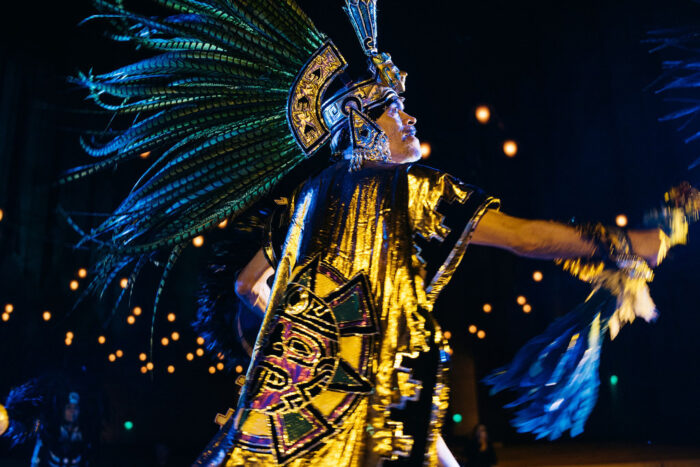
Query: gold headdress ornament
313,120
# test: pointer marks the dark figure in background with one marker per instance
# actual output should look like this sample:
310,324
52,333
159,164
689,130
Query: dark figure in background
59,415
480,452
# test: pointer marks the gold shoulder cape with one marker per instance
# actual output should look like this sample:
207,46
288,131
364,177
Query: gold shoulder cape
348,345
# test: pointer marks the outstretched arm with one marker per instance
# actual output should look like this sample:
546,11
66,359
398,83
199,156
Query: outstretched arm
554,240
251,283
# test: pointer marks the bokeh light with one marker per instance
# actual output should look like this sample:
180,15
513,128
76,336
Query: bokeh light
82,273
527,308
425,150
239,369
199,352
143,357
472,329
128,425
144,155
164,341
137,311
124,283
481,334
487,308
448,335
198,241
175,336
149,365
483,114
219,366
144,370
112,357
171,317
101,340
200,341
68,342
457,418
46,316
9,308
613,380
171,369
130,319
70,335
2,214
621,220
189,356
537,276
521,300
5,316
74,285
510,148
119,353
223,224
212,370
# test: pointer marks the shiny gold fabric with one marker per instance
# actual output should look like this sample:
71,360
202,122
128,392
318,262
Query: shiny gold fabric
352,235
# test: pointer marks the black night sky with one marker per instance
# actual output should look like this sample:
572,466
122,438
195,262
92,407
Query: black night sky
570,82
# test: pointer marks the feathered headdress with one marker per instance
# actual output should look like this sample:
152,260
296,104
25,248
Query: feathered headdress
231,102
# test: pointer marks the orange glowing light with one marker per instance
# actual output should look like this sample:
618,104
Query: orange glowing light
74,285
425,150
144,155
219,366
212,370
142,357
9,308
527,308
472,329
537,276
510,148
165,341
521,300
239,369
46,315
124,283
621,220
447,334
119,353
149,365
101,340
189,356
199,352
198,241
171,317
5,316
130,319
171,369
200,341
137,311
68,342
220,356
487,308
70,335
2,214
223,224
82,273
175,336
483,114
112,357
144,370
481,334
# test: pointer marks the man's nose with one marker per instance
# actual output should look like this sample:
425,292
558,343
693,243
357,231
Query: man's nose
408,119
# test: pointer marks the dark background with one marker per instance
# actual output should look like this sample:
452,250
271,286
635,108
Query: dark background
571,82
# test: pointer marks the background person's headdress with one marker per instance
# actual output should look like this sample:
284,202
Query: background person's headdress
213,110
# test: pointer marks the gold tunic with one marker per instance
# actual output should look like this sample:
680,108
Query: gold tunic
349,316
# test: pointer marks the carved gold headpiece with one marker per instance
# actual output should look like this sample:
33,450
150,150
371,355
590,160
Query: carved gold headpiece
313,119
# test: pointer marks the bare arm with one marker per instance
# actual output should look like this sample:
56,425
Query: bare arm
251,284
552,240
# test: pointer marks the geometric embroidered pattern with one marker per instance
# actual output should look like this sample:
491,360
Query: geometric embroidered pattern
300,364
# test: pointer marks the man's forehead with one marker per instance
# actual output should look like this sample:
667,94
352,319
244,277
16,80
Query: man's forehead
398,103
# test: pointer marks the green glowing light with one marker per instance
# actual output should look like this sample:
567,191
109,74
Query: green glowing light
128,425
613,380
457,418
